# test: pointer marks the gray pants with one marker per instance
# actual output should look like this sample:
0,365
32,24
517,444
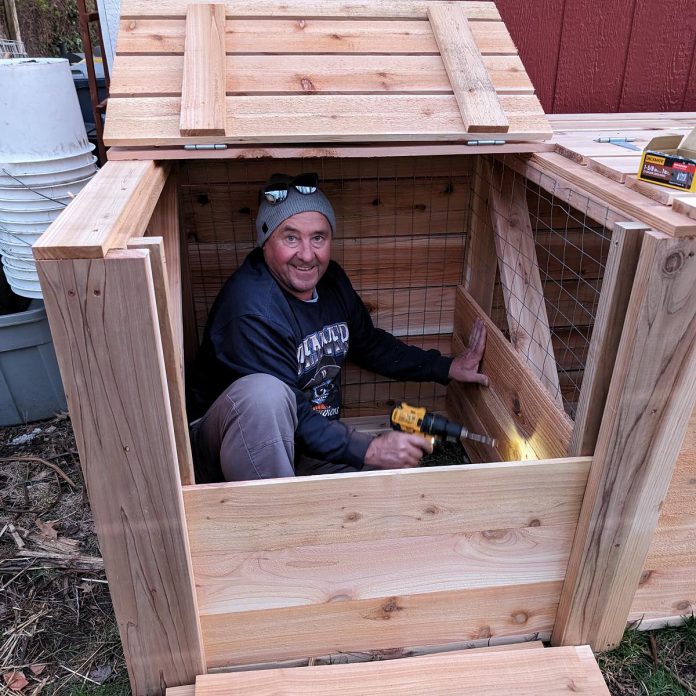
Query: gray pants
249,433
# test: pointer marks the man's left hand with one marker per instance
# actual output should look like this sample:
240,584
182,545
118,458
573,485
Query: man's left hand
465,367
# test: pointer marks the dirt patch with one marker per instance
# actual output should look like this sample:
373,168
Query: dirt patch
59,634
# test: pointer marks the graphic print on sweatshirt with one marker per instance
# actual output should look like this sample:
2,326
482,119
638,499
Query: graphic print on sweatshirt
320,356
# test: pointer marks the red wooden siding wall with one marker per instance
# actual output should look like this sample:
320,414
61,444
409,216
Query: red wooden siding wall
586,56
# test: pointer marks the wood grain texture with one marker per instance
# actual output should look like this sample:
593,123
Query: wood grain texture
592,55
292,36
515,409
398,621
383,505
611,194
486,673
475,94
104,323
518,267
115,205
650,401
318,118
336,9
685,205
204,81
302,74
173,363
481,258
615,168
661,194
627,239
657,77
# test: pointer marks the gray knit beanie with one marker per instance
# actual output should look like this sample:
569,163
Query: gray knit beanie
271,215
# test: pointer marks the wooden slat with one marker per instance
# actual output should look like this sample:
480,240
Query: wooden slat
397,621
476,97
605,200
616,168
162,75
481,258
686,205
350,509
524,673
189,690
622,261
370,569
515,409
288,36
518,267
661,194
114,206
337,9
623,121
173,362
650,401
105,329
319,117
204,81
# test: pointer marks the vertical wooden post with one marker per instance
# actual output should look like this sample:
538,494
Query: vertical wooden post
626,241
12,20
650,400
104,321
481,258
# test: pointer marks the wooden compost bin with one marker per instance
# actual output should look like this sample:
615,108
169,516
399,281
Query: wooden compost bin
550,533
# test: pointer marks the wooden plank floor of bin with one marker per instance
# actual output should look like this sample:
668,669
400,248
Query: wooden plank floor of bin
524,673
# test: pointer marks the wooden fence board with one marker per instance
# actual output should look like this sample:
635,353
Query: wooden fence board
393,622
383,505
518,267
475,94
487,673
258,74
104,324
290,36
203,82
335,9
650,401
515,409
332,118
118,203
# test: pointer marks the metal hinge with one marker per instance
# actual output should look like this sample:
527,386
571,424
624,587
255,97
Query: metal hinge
621,142
486,142
206,146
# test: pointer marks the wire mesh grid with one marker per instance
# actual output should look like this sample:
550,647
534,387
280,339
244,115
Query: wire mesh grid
399,238
550,258
12,49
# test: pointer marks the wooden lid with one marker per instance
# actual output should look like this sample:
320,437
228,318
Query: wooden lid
317,71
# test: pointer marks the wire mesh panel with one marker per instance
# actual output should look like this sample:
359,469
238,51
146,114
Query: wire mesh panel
12,49
549,259
400,238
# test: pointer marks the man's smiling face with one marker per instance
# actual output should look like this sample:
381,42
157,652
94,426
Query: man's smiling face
298,253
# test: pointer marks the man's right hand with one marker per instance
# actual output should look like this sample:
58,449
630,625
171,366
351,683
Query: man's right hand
397,450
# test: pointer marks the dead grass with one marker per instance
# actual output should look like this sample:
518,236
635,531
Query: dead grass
58,634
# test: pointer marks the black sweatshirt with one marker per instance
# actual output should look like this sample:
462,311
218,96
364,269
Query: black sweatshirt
256,327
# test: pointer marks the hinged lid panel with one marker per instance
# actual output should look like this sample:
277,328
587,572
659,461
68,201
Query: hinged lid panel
270,72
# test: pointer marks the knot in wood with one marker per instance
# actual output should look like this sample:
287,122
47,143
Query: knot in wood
484,632
494,534
673,263
520,617
307,85
301,24
534,523
353,517
645,576
684,605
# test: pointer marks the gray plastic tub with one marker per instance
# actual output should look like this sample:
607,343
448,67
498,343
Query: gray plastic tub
30,384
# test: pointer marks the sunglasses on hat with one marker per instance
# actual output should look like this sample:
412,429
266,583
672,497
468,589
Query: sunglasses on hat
277,192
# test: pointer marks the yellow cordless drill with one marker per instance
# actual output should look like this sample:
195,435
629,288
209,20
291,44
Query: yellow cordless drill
411,419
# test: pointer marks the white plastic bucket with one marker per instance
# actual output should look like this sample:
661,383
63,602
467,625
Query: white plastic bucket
41,117
46,215
48,166
20,246
42,193
17,264
40,203
25,288
22,229
47,179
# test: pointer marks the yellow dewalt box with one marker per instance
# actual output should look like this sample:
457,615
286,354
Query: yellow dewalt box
670,161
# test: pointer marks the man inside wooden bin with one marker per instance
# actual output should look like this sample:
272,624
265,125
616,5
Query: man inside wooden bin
267,377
